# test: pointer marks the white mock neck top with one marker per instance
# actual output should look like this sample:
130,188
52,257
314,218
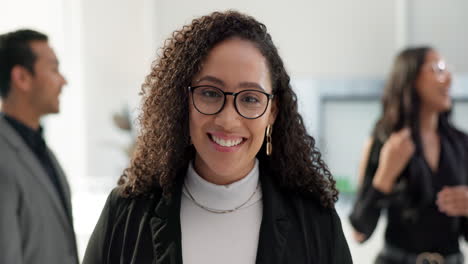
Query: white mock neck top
209,238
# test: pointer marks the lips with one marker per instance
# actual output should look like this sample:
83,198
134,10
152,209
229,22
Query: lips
226,141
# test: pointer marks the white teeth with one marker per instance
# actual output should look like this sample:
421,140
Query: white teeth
226,143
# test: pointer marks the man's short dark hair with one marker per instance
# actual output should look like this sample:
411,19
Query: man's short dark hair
15,50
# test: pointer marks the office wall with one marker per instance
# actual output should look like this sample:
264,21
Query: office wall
442,24
315,38
118,47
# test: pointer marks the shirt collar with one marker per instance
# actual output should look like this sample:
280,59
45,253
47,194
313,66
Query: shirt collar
221,197
31,136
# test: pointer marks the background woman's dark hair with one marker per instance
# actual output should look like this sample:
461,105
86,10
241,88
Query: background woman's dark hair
400,100
163,150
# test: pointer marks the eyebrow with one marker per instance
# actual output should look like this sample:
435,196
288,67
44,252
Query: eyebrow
251,85
222,83
211,79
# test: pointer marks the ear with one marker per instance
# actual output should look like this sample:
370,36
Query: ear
273,111
20,78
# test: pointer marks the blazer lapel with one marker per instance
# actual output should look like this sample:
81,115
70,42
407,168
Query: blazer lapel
165,228
274,229
67,195
275,224
26,157
62,182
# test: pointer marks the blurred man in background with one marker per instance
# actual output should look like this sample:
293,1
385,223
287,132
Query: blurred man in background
35,210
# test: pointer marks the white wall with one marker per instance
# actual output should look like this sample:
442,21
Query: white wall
119,45
442,24
341,38
315,38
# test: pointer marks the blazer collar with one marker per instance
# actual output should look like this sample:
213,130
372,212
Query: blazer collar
9,133
275,222
165,227
166,230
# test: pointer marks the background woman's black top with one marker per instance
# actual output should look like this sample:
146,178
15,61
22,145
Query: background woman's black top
414,221
294,229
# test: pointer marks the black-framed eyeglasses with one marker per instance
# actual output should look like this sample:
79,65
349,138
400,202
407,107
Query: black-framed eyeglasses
210,100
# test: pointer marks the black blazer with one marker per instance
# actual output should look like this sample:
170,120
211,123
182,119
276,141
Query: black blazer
294,229
410,215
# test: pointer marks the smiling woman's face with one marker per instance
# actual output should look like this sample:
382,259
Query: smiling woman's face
226,143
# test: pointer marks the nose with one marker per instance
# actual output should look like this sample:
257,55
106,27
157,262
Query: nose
228,117
64,80
444,77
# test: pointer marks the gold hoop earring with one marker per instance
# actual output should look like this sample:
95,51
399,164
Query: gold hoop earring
269,145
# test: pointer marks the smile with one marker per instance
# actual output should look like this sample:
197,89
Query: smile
226,142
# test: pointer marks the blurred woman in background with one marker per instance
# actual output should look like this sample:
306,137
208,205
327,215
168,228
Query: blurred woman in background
223,171
415,166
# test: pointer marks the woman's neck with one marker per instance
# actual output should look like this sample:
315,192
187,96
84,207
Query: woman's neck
221,196
220,179
428,120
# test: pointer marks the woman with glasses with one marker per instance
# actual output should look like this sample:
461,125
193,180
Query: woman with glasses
416,167
224,171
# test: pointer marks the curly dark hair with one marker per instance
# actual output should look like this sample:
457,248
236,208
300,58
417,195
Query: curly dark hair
163,151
